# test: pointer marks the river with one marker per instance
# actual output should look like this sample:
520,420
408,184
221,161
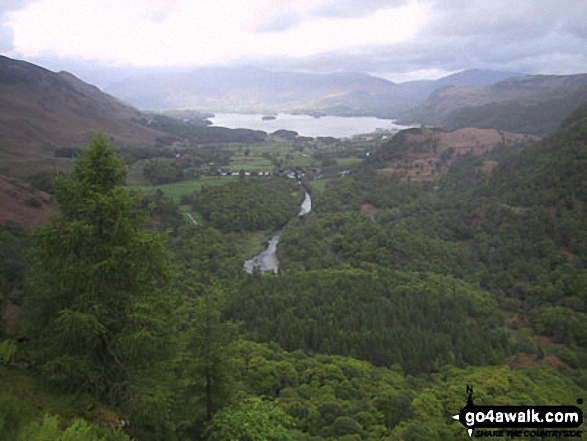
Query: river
267,259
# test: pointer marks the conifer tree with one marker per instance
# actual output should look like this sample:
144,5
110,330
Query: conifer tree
102,314
207,369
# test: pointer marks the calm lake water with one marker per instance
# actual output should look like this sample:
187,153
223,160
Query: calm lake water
335,126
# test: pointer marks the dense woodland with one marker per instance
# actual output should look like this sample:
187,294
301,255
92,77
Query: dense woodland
392,298
248,205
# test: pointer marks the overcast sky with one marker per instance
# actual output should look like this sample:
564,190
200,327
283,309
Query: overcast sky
396,39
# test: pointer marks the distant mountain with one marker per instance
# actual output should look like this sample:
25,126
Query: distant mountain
240,89
43,111
258,90
416,92
535,104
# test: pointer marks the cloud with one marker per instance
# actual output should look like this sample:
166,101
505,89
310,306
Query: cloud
534,36
6,34
12,5
519,35
281,23
202,32
501,19
353,8
6,38
393,36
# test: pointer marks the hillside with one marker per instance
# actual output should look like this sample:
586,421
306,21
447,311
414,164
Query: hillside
23,204
538,114
550,173
250,89
391,298
422,154
532,104
42,111
508,220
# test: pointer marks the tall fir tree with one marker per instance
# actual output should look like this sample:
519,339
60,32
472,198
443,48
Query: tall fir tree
103,317
208,371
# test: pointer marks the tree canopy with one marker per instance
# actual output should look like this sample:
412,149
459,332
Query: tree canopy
101,309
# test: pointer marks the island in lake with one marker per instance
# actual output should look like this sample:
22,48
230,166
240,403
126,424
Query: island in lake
269,118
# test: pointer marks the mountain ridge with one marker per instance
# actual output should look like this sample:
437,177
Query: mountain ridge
258,90
534,104
42,111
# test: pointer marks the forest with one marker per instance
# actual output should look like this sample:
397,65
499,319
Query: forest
122,321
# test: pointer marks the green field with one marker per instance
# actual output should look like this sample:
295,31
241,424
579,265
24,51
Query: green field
304,160
282,151
318,184
250,163
348,161
264,147
177,189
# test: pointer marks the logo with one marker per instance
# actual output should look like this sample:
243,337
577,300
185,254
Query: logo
478,419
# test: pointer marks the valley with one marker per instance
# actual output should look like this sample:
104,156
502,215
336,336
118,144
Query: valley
412,261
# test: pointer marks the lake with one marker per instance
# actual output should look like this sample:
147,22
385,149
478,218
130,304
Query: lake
305,125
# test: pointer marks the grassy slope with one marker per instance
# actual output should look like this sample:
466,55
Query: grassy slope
185,188
25,397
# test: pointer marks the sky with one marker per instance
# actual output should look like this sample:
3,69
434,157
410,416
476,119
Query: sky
399,40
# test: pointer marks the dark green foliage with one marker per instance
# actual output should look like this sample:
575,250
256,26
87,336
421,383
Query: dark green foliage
286,134
531,231
562,324
163,211
204,259
202,134
418,431
417,321
43,180
13,414
101,312
333,397
208,371
79,430
160,172
363,186
251,419
519,232
391,241
31,410
206,154
423,281
344,425
247,205
14,261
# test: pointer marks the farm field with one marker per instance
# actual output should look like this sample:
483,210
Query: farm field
318,184
176,190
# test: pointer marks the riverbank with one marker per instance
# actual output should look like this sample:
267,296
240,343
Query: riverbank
267,259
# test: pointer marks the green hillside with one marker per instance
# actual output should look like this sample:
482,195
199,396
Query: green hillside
538,115
535,104
120,321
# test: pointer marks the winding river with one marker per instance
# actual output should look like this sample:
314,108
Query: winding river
267,259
